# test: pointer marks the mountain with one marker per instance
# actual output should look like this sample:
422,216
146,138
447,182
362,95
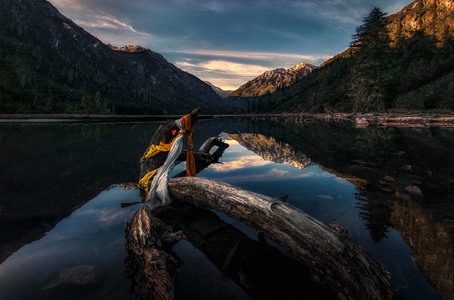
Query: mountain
222,93
416,73
51,65
270,81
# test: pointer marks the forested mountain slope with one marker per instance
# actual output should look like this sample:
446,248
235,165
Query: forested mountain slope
403,61
51,65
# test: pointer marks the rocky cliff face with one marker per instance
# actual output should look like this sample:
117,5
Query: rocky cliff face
270,81
433,18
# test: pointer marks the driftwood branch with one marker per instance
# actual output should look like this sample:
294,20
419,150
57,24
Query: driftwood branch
333,259
150,263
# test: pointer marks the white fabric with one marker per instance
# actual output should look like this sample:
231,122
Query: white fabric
159,194
179,123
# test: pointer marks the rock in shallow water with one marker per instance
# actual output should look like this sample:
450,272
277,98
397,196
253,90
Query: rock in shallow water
413,189
84,276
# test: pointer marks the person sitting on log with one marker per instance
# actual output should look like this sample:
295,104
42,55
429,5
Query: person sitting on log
159,158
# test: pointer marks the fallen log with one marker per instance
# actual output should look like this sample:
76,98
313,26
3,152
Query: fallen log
332,258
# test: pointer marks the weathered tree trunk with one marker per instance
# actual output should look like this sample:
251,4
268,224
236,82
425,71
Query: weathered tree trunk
333,259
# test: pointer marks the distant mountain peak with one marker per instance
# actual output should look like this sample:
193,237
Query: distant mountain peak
129,48
302,65
270,81
218,90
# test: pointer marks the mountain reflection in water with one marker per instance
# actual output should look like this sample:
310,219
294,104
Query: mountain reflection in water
392,188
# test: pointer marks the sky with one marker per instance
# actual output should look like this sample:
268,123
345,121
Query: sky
228,42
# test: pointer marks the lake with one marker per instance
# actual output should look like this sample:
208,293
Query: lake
392,188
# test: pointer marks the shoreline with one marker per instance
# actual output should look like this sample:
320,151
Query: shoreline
401,118
83,118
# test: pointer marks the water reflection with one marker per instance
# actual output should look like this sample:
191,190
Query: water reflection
271,149
92,236
311,189
393,170
48,170
354,177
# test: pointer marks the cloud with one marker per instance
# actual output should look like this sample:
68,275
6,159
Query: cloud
215,38
215,6
224,74
109,22
245,161
325,197
257,56
109,28
225,67
231,69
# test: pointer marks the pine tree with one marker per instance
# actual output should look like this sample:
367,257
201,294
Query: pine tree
371,47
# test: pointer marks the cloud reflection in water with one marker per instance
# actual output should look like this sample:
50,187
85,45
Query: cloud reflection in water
91,235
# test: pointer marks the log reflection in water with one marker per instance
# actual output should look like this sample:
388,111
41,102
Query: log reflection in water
403,175
260,269
150,264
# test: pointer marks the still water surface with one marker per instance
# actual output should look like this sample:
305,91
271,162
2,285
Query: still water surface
62,172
